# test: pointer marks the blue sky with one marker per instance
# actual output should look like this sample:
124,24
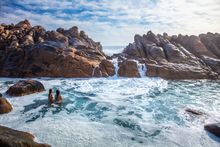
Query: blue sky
115,22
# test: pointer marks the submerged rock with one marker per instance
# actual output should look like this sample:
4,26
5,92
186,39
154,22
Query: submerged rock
25,87
195,112
13,138
213,128
5,106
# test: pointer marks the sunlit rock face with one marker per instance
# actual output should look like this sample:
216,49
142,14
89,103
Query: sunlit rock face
27,51
176,57
17,138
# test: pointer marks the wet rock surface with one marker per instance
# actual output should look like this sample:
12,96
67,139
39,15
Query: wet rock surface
25,87
193,111
213,128
128,68
176,57
13,138
5,106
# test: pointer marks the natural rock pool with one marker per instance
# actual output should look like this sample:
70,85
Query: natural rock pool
118,112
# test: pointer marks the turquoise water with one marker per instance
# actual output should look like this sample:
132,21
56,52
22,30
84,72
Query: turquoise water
118,112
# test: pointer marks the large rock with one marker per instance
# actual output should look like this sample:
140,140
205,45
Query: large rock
213,63
176,57
107,68
194,45
53,59
128,68
24,24
212,42
5,106
56,37
156,53
179,71
27,51
213,128
25,87
13,138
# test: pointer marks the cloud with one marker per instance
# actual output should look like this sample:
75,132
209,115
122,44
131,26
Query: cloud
115,22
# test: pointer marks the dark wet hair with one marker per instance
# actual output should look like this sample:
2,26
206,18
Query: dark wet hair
57,92
50,90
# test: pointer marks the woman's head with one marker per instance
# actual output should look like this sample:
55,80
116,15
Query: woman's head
57,92
50,90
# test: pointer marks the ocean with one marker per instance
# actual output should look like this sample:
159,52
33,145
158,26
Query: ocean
110,50
118,112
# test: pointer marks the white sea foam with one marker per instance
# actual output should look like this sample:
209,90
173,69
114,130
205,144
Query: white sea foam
115,63
117,112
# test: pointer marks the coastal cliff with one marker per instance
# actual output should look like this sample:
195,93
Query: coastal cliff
27,51
175,57
31,51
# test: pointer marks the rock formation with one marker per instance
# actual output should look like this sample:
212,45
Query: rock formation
193,111
25,87
27,51
128,68
213,128
13,138
176,57
5,106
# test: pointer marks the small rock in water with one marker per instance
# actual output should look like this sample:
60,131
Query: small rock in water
194,112
25,87
0,95
213,128
5,106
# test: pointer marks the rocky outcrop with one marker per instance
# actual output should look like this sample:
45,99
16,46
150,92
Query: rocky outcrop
213,128
176,57
13,138
27,51
128,68
25,87
5,106
107,68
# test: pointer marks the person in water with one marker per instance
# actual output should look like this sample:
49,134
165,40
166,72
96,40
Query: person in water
50,96
58,97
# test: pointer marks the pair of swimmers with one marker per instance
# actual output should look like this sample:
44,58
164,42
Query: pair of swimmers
58,98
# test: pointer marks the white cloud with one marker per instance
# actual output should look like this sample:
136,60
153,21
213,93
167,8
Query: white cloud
115,22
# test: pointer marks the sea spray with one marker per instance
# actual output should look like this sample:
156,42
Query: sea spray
115,63
142,69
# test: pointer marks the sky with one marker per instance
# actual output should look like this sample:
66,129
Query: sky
115,22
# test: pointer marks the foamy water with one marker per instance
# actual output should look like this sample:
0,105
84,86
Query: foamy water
118,112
